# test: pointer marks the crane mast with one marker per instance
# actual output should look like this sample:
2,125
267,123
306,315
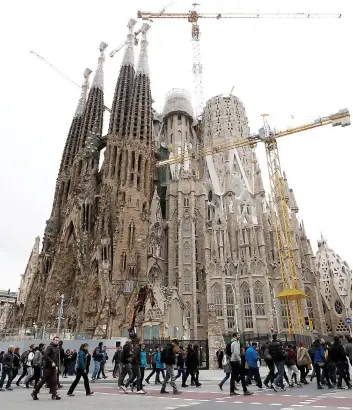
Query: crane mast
193,17
292,294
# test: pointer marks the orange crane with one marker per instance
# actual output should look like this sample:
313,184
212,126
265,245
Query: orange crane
193,17
292,294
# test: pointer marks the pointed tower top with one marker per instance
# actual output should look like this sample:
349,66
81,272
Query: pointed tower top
98,79
142,65
82,102
129,58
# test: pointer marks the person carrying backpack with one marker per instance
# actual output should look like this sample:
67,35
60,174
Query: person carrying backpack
37,365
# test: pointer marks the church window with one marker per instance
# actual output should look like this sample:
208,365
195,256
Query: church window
146,176
187,281
124,167
119,166
324,308
196,251
230,305
176,255
309,304
198,311
284,316
113,160
171,138
338,307
186,225
179,119
186,201
247,306
132,168
188,313
123,260
187,255
217,298
259,299
197,279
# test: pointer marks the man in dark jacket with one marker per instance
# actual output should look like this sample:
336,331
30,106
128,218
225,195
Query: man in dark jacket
135,369
169,359
50,371
338,356
277,353
97,357
191,363
116,360
125,363
7,366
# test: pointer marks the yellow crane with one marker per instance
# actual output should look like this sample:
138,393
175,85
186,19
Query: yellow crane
193,17
291,294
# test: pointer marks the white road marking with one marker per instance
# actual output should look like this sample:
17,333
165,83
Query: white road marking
344,408
297,405
204,400
286,395
276,404
237,402
220,401
254,402
320,406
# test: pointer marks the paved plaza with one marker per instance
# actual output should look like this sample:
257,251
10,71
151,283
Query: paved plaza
107,396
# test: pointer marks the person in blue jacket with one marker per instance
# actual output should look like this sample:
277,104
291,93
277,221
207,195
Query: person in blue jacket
320,364
252,358
81,371
143,365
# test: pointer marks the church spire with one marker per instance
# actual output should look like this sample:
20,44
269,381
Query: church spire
74,133
94,110
123,90
141,102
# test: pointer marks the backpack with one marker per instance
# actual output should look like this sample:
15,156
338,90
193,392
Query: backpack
163,356
94,353
24,356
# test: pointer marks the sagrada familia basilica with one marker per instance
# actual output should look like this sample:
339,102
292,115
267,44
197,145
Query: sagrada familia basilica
201,231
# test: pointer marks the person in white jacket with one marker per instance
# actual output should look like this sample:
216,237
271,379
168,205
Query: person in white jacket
237,368
30,370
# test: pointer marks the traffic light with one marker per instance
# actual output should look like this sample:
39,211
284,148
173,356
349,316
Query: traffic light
307,323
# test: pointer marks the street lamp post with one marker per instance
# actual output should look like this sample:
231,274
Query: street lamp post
60,313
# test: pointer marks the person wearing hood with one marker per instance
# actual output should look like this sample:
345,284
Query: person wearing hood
237,368
252,359
338,356
7,366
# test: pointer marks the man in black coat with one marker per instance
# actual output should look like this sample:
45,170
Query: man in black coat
168,357
338,356
7,366
277,353
50,372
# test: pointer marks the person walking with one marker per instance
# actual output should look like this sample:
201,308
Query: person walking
135,370
303,361
16,362
97,358
252,358
50,371
81,371
237,368
291,363
154,367
191,366
37,365
125,364
103,362
29,365
271,367
180,363
338,356
67,359
168,358
220,355
320,364
24,358
7,366
117,361
277,353
226,368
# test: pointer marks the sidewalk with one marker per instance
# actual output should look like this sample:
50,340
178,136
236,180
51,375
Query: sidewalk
205,375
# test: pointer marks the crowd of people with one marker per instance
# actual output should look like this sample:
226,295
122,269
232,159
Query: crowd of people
329,362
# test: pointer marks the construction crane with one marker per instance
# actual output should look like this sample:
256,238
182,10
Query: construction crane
291,294
193,16
122,45
61,73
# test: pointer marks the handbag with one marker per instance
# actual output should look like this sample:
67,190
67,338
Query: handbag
224,360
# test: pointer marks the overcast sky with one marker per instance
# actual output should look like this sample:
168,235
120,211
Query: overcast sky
294,70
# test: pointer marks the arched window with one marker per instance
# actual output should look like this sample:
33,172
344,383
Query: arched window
196,251
198,311
230,304
187,281
187,254
247,306
186,225
284,317
176,255
217,298
188,312
259,299
309,304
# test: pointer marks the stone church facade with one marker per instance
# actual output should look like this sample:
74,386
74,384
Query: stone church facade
201,231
